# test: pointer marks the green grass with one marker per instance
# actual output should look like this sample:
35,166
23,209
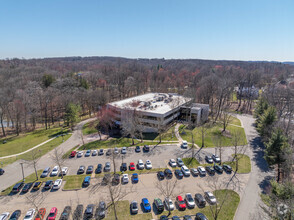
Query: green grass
42,151
244,164
73,182
226,213
235,121
191,162
265,199
90,127
123,212
215,130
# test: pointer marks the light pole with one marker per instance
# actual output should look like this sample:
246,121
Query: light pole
22,171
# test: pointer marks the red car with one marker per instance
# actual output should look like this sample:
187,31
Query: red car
52,214
132,166
73,153
181,203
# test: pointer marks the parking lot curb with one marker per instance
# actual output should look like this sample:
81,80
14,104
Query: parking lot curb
71,189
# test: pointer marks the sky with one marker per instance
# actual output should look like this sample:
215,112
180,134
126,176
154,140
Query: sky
170,29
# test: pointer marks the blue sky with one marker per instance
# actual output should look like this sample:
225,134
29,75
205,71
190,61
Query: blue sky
202,29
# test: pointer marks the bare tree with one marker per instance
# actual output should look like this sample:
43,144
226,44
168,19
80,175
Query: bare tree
203,128
217,140
33,160
225,117
238,149
35,199
129,125
58,159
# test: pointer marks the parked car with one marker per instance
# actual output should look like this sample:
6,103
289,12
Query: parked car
81,169
15,215
57,184
63,171
115,150
27,187
141,164
189,200
107,167
4,216
179,174
208,159
78,213
137,149
30,214
90,169
168,173
201,170
135,178
123,167
88,153
218,168
123,150
181,203
100,212
52,214
163,217
65,215
175,218
216,158
169,205
125,178
2,171
99,168
41,214
37,185
227,168
46,172
116,179
200,201
87,181
73,153
146,205
172,163
200,216
180,162
185,144
17,187
146,148
89,212
160,175
159,205
134,207
210,198
94,153
210,170
101,152
48,184
148,164
80,154
108,152
55,171
194,171
132,166
185,171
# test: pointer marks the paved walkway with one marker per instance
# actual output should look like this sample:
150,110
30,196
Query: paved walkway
178,136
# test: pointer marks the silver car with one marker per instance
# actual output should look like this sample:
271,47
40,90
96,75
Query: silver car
134,207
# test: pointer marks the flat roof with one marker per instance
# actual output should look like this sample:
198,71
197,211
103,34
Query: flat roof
159,103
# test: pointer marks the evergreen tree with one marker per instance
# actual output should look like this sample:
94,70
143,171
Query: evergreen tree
47,80
72,114
266,121
261,107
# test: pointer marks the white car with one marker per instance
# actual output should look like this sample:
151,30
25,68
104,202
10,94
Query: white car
185,171
201,170
216,158
115,150
148,164
210,198
55,171
57,184
169,204
4,216
172,163
80,154
123,150
30,214
140,164
185,144
189,200
94,152
125,178
64,170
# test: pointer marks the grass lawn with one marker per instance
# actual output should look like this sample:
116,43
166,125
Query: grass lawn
266,199
215,130
123,212
169,135
42,150
227,212
90,127
73,182
235,121
191,162
244,164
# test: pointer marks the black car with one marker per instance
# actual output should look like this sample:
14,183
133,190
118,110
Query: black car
100,152
138,149
208,159
160,175
78,214
146,148
100,211
163,217
89,212
200,216
124,167
116,179
200,201
15,215
27,187
187,217
218,168
81,169
179,173
90,169
2,171
66,213
159,205
227,168
99,168
17,187
49,184
168,173
210,170
175,218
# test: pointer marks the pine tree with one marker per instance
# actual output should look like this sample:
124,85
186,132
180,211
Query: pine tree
266,121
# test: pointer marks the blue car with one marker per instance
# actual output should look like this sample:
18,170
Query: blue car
88,153
87,181
146,205
135,177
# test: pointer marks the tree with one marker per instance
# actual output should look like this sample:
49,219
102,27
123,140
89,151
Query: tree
264,127
238,150
129,124
225,117
35,199
217,140
33,160
106,117
47,80
202,129
261,107
58,159
72,114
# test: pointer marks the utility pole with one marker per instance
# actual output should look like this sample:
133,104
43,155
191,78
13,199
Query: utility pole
22,172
